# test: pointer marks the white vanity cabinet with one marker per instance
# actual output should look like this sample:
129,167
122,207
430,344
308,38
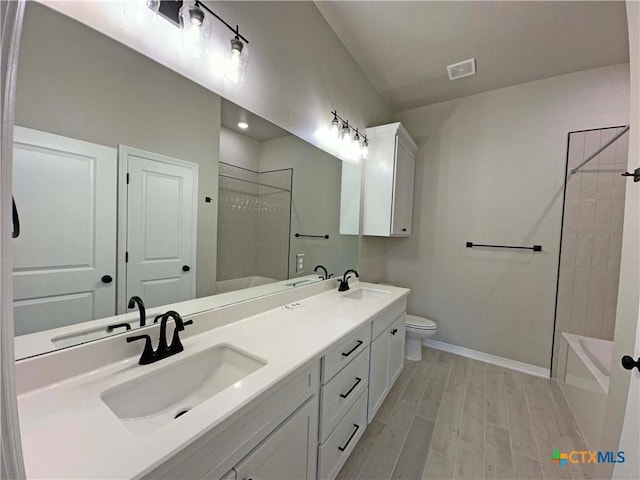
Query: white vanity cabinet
387,357
289,452
388,185
343,400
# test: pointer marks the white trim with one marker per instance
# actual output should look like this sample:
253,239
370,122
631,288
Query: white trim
489,358
11,462
124,152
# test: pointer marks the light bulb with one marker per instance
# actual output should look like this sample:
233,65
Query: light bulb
237,67
365,149
344,134
243,125
142,12
335,126
196,29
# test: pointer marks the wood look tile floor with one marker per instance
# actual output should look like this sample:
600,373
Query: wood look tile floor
450,417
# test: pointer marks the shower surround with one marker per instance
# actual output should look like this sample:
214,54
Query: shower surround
254,218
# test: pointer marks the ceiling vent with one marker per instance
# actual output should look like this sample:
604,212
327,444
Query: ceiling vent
462,69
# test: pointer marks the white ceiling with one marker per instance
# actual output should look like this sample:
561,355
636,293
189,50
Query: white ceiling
404,47
259,128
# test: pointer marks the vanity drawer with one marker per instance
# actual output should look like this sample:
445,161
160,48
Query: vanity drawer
342,391
341,354
333,453
385,318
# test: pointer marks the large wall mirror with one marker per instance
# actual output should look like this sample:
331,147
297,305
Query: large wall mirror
131,180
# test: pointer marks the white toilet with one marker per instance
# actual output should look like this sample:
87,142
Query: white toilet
417,329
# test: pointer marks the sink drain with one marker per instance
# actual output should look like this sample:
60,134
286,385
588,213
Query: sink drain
179,413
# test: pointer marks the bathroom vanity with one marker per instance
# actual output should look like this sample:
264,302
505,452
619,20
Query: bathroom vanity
277,387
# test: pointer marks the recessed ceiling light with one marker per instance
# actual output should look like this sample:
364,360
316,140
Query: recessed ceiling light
462,69
243,125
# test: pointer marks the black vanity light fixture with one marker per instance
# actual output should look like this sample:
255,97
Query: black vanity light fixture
344,137
194,19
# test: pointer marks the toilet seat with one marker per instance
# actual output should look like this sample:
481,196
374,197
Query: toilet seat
420,323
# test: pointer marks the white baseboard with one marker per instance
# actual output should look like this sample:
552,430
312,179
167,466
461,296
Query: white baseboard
489,358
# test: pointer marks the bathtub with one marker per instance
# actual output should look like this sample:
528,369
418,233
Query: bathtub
583,375
234,284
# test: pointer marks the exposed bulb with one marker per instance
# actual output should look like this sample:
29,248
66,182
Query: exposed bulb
237,67
142,12
344,134
335,126
196,29
365,149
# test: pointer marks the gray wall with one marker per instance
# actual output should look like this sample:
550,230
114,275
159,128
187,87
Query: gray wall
491,169
315,204
76,82
239,150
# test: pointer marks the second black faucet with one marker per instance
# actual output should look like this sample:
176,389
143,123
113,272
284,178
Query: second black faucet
344,283
164,350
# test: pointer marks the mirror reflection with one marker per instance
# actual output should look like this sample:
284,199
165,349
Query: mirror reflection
132,181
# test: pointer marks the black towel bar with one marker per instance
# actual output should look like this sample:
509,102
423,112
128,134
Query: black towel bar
535,248
326,236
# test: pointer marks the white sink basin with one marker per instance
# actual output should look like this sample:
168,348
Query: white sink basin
367,294
146,403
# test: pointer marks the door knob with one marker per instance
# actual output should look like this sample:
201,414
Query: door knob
106,279
628,362
186,268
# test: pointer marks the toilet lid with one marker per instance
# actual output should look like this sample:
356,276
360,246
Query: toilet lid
420,323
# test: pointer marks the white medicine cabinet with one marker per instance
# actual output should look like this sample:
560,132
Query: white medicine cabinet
388,182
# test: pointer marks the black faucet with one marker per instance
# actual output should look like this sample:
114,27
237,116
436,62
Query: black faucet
176,344
135,300
344,283
326,273
163,351
148,355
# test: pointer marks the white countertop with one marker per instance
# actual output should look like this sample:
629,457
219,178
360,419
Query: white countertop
68,432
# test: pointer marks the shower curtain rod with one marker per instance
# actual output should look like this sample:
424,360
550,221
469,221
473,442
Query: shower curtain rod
601,149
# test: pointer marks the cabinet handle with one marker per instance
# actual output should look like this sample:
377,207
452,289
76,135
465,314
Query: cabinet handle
360,342
394,331
353,434
345,395
16,219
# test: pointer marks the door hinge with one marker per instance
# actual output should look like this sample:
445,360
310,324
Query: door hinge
127,178
126,257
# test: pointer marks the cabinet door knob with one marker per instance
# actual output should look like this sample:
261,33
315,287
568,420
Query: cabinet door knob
404,229
394,331
106,279
186,268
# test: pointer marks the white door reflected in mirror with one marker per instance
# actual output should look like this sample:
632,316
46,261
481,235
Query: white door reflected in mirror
65,256
161,204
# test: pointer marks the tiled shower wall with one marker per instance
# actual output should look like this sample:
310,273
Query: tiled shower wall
274,219
253,223
592,235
